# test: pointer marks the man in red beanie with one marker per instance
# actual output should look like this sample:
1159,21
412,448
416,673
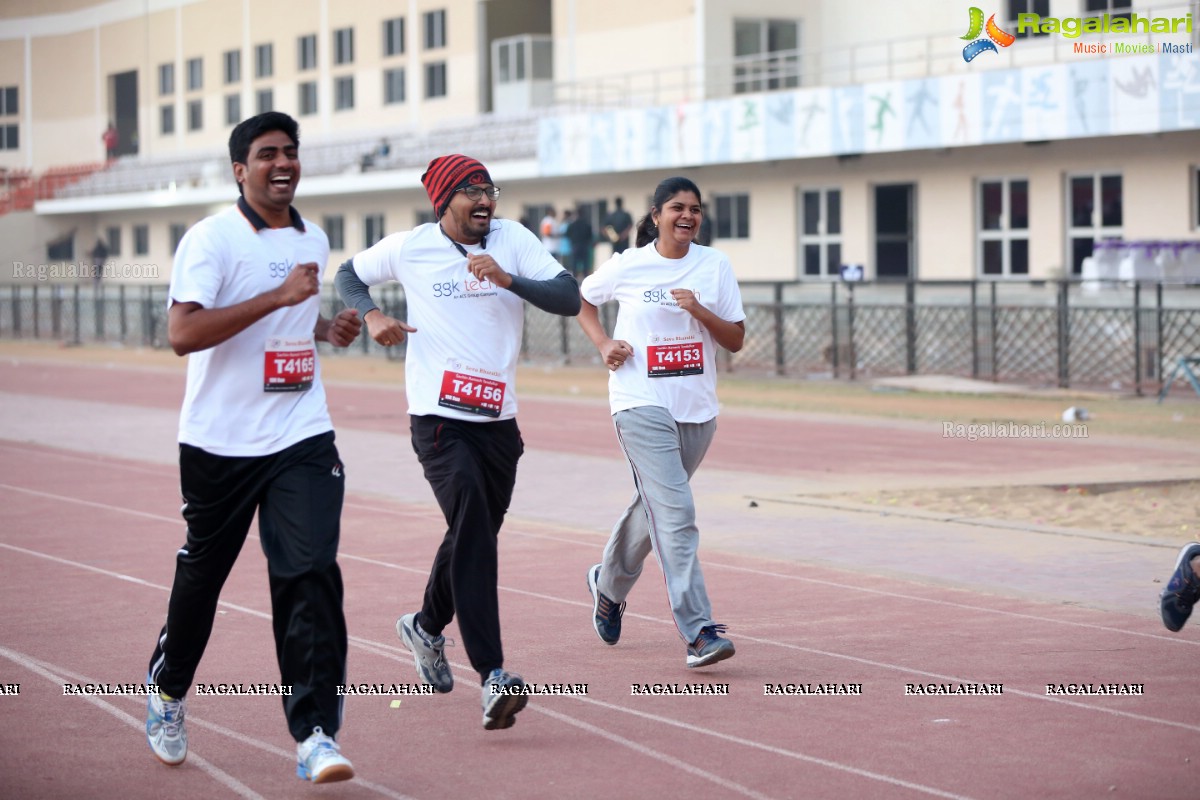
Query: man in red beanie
466,280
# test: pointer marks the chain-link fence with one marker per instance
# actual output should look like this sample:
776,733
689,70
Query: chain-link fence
1052,333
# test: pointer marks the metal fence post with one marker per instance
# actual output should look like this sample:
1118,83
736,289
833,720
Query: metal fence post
124,313
16,309
850,332
76,309
98,307
1064,336
35,312
56,311
1137,339
910,326
833,325
779,350
1158,327
147,319
974,330
565,336
995,333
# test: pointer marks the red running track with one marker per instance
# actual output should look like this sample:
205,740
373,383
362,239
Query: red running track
86,556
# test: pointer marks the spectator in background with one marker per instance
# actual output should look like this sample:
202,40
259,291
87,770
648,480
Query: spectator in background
564,244
99,257
617,226
582,238
548,229
111,140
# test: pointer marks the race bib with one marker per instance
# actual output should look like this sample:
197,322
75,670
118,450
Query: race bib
290,365
470,390
672,356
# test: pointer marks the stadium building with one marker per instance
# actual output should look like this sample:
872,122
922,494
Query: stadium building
921,140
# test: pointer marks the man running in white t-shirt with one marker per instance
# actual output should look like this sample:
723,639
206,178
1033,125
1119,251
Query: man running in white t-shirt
466,279
255,436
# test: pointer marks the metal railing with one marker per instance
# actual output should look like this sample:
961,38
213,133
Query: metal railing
1041,333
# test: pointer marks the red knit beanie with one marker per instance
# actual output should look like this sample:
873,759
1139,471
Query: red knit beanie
448,173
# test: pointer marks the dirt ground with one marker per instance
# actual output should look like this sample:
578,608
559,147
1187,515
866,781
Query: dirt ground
1148,509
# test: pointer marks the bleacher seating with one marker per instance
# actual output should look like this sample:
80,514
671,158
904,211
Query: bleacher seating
492,139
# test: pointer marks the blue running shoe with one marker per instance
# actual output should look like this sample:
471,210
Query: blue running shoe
709,647
606,612
429,653
1183,590
503,697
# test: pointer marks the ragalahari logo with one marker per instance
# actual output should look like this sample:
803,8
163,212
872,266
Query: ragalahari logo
995,36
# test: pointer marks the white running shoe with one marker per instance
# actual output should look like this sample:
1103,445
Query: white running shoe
320,760
164,728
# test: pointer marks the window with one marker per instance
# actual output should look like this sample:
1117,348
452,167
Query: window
112,237
264,60
166,79
435,79
1094,212
821,232
233,66
1110,7
393,86
195,74
1018,7
510,61
195,112
335,229
343,93
178,229
308,98
435,29
166,120
141,240
264,101
424,217
10,136
306,52
393,36
233,109
1003,228
372,229
754,42
732,220
343,46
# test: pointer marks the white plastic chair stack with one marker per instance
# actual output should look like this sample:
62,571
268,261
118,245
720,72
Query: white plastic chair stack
1137,262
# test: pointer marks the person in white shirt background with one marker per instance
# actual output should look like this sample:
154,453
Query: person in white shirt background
677,302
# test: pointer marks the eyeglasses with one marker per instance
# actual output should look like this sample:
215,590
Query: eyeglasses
477,192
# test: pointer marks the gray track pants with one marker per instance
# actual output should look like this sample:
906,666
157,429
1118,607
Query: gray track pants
663,455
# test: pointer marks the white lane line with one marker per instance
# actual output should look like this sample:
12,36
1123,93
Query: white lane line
213,771
375,648
552,598
779,751
695,772
193,720
707,563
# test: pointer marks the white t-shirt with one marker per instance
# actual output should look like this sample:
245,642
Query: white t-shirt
233,407
674,357
462,361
